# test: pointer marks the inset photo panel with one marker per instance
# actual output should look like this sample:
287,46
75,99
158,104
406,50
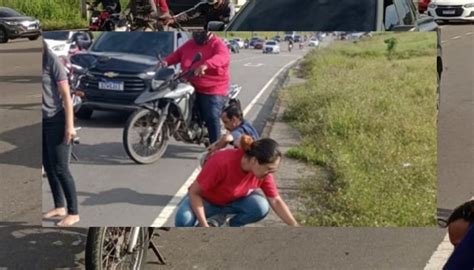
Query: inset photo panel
261,129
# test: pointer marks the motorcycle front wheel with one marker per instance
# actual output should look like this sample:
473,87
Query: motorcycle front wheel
107,248
137,137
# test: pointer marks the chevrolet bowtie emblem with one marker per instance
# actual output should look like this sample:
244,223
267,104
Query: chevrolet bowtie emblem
110,74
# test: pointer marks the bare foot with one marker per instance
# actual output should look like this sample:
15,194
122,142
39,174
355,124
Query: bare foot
68,221
56,212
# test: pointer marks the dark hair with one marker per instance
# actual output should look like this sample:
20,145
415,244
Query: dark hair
464,211
264,150
233,110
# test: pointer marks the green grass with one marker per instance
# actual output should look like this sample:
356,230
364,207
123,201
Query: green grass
371,123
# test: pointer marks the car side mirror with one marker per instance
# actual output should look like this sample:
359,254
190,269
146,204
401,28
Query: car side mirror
403,28
215,26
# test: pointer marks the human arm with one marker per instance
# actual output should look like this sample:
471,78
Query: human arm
197,204
283,212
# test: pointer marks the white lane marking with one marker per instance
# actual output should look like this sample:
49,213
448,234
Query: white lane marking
442,42
468,33
34,96
21,80
253,65
441,254
456,37
168,210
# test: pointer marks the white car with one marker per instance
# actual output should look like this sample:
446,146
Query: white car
271,46
240,42
452,10
59,42
314,42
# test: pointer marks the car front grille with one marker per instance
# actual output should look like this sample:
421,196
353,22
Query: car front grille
131,82
458,10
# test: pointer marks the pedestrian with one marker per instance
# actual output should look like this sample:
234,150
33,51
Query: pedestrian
211,79
58,134
236,126
461,234
227,185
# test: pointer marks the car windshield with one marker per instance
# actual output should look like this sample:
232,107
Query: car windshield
8,12
270,43
56,35
306,15
145,43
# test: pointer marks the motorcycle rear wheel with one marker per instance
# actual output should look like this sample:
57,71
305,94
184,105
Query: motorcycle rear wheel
106,248
145,121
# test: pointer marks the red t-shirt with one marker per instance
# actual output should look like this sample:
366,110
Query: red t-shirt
215,56
163,5
222,180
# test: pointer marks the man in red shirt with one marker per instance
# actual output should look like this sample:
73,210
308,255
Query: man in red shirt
227,183
211,79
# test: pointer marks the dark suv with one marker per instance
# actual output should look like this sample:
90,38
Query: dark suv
329,15
129,65
16,25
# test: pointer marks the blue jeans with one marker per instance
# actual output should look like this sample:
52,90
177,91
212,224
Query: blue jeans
56,157
250,209
210,108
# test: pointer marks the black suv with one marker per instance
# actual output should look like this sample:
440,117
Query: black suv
130,61
16,25
329,15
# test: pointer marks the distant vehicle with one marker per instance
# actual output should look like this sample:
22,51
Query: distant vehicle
297,38
290,35
277,38
451,10
62,42
240,42
423,5
15,25
271,46
259,44
314,42
253,41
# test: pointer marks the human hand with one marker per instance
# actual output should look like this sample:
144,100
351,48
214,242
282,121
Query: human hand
201,70
69,135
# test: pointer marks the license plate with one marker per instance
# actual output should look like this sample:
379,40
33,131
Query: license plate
111,85
449,12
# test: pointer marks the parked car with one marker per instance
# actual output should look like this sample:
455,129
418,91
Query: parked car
259,44
423,5
239,41
451,10
297,38
128,68
271,46
347,16
62,42
15,25
253,41
314,42
232,45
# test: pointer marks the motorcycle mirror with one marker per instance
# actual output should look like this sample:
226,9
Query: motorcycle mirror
197,58
215,26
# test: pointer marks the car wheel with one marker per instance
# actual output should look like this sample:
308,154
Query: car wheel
3,36
33,38
84,113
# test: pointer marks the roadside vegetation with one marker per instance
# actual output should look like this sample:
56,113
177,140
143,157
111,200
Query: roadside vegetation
367,115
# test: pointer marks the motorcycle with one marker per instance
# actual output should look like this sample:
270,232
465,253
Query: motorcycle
167,109
107,20
120,247
290,47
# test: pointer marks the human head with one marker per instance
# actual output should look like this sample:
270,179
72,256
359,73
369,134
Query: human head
232,115
201,37
459,222
262,155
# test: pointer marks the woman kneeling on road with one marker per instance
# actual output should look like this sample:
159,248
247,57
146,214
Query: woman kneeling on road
227,183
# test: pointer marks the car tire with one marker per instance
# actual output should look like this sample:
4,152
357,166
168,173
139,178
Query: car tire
84,113
3,36
33,38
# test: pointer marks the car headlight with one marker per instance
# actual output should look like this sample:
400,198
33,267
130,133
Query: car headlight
58,47
431,5
470,5
11,23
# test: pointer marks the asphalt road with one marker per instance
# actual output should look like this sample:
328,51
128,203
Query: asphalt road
114,191
20,127
456,118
